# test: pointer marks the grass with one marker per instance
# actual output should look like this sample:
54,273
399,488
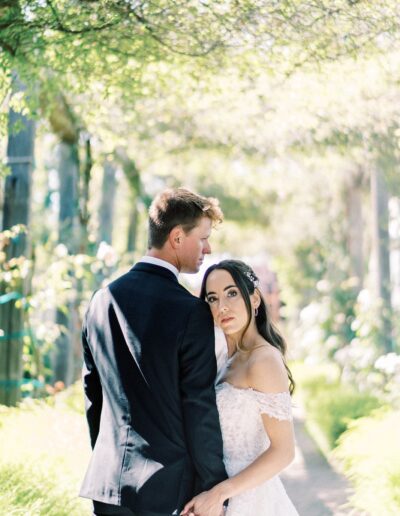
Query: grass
44,452
27,491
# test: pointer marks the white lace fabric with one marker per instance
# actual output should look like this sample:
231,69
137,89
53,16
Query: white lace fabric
245,439
275,404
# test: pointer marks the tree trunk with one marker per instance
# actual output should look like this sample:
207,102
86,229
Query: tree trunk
381,254
85,247
133,225
107,203
65,125
20,151
68,187
84,215
132,175
68,173
355,236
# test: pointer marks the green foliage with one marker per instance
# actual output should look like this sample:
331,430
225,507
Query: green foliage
278,153
73,398
369,453
334,408
337,306
362,361
60,279
301,270
44,451
325,325
4,170
331,404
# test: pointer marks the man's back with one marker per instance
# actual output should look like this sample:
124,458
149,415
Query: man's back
150,368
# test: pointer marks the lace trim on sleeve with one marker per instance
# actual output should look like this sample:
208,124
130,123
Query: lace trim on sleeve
277,405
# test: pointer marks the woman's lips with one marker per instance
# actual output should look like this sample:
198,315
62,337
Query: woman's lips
226,319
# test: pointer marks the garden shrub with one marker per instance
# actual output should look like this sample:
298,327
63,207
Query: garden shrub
330,404
369,454
334,407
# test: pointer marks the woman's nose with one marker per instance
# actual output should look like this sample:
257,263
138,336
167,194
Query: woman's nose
222,306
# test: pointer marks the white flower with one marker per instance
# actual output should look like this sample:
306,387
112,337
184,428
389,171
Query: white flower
340,318
359,355
25,268
389,363
323,286
332,342
365,298
309,314
7,276
313,337
107,254
61,251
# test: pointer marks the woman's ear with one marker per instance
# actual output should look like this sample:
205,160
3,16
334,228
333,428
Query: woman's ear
256,299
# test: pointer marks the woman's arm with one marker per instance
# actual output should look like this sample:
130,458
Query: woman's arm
266,373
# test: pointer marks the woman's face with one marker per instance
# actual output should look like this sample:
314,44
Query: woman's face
226,302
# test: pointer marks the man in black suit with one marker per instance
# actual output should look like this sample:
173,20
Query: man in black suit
149,371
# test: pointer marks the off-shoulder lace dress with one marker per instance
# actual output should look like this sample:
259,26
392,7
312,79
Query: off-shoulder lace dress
245,439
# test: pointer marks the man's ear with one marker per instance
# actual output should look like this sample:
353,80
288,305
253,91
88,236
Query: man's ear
175,237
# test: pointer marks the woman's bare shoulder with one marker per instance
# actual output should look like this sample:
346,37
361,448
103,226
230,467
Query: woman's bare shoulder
266,370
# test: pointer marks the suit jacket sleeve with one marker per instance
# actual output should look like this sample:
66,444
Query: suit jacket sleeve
198,371
92,389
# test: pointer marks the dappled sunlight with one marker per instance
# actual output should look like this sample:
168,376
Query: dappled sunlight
289,114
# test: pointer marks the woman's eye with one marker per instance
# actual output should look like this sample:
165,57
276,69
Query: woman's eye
211,299
232,293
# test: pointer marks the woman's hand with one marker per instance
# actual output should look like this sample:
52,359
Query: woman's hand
208,503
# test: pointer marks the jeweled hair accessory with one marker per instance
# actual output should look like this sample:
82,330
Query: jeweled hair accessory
253,278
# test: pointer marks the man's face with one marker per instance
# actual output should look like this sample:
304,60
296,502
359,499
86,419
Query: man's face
194,246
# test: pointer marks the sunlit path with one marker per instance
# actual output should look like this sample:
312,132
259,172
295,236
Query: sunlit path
312,484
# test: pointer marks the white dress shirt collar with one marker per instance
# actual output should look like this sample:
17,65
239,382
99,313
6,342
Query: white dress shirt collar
221,354
161,263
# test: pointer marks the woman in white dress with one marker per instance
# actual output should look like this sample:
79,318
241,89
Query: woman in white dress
253,401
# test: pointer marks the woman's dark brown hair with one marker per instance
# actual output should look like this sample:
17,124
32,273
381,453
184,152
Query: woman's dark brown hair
246,281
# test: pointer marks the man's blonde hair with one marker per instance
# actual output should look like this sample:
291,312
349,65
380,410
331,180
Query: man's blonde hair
179,206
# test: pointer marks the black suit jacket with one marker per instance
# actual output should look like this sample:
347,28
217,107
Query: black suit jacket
149,371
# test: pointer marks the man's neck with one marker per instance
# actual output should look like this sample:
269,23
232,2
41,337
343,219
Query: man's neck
163,255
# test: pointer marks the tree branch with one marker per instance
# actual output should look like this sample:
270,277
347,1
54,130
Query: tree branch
62,28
